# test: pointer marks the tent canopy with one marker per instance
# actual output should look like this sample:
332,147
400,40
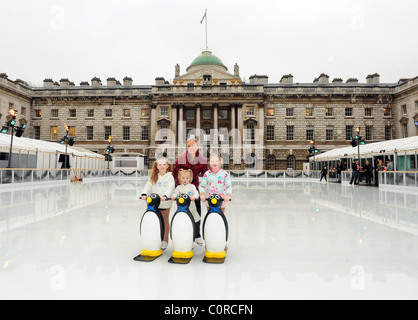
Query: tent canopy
32,145
389,146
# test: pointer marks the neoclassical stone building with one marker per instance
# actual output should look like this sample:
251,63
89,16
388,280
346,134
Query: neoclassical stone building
254,124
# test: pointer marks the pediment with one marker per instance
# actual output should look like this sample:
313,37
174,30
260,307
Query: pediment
216,73
404,120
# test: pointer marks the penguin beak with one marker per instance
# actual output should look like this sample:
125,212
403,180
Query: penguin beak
149,199
214,201
181,200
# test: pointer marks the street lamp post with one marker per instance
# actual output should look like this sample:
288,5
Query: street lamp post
312,149
11,123
356,142
68,141
109,150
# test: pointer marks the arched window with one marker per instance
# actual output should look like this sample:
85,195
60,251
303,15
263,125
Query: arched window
250,161
271,162
291,162
225,161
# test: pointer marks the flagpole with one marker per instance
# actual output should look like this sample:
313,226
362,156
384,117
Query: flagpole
206,23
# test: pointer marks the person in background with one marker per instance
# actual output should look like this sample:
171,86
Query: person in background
355,175
368,170
324,173
339,169
389,165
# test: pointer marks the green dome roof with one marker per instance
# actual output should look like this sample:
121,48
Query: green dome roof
207,58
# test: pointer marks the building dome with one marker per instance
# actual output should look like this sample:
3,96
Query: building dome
207,58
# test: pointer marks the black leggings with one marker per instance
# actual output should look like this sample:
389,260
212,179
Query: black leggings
199,211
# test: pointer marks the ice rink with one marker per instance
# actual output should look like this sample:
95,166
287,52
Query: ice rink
293,240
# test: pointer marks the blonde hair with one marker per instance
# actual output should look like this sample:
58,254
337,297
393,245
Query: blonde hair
188,171
191,139
215,155
154,171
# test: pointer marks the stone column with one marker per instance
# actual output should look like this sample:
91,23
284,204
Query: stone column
198,107
233,121
240,120
215,116
174,121
261,121
153,128
181,129
215,130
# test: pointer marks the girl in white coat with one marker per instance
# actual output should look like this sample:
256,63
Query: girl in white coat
161,182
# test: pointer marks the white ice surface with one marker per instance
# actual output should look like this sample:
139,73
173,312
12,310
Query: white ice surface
297,240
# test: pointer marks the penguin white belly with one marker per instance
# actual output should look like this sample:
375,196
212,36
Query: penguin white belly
182,232
151,231
215,233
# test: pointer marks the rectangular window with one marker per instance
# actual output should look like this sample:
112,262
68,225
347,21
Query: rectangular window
108,132
54,133
329,133
387,112
250,111
126,133
72,132
368,112
369,132
290,112
403,108
90,113
164,111
24,110
37,132
163,132
73,113
388,132
144,133
405,130
250,132
348,112
38,113
270,133
348,132
309,112
54,113
310,133
89,131
223,134
270,112
127,113
290,133
144,113
329,112
108,113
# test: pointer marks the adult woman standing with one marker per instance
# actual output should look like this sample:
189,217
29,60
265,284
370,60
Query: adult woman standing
199,165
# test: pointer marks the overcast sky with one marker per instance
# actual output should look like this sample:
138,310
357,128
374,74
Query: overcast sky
145,39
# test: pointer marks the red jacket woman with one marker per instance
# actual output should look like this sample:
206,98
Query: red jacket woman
191,160
199,165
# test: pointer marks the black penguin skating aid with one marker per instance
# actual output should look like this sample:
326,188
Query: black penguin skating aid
182,231
151,229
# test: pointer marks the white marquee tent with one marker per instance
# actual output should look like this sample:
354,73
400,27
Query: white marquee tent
31,153
403,152
400,146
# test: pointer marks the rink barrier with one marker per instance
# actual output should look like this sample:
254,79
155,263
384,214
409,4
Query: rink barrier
12,176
